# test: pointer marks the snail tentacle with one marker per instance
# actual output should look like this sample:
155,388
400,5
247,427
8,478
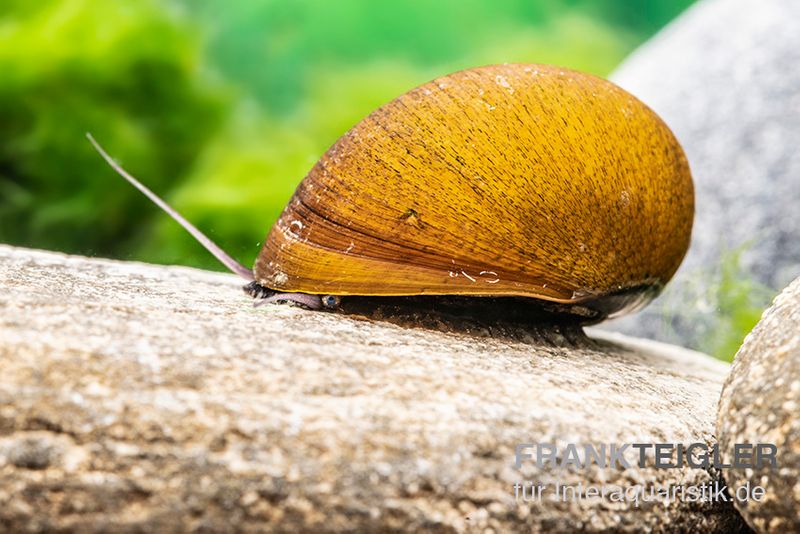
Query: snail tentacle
234,266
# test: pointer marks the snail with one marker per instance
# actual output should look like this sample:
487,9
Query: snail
521,181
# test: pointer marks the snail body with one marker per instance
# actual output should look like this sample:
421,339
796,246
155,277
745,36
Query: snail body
516,180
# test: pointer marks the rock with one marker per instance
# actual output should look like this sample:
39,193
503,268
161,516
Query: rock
724,77
760,403
138,398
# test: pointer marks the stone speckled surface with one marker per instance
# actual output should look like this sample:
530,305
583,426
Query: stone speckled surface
761,404
137,397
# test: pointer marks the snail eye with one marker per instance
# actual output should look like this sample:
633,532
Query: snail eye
330,301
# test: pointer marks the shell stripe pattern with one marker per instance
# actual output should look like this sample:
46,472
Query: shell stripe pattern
518,180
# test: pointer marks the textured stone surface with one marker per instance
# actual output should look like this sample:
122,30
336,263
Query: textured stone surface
725,78
760,403
137,397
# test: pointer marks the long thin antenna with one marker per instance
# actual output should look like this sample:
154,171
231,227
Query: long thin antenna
213,248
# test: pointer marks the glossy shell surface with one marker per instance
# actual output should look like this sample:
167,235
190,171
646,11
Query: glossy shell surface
506,180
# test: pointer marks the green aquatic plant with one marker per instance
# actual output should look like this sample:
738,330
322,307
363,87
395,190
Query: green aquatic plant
740,300
127,71
716,306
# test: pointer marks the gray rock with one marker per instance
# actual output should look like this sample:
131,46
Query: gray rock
760,403
139,398
724,76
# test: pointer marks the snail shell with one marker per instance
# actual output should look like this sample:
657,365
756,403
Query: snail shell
507,180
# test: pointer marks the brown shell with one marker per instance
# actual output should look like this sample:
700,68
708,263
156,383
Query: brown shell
506,180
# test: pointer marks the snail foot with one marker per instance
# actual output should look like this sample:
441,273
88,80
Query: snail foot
264,295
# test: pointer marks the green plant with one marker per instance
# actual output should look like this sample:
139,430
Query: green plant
716,307
127,71
740,301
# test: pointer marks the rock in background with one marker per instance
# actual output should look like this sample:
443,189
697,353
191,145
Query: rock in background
725,76
144,398
760,403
